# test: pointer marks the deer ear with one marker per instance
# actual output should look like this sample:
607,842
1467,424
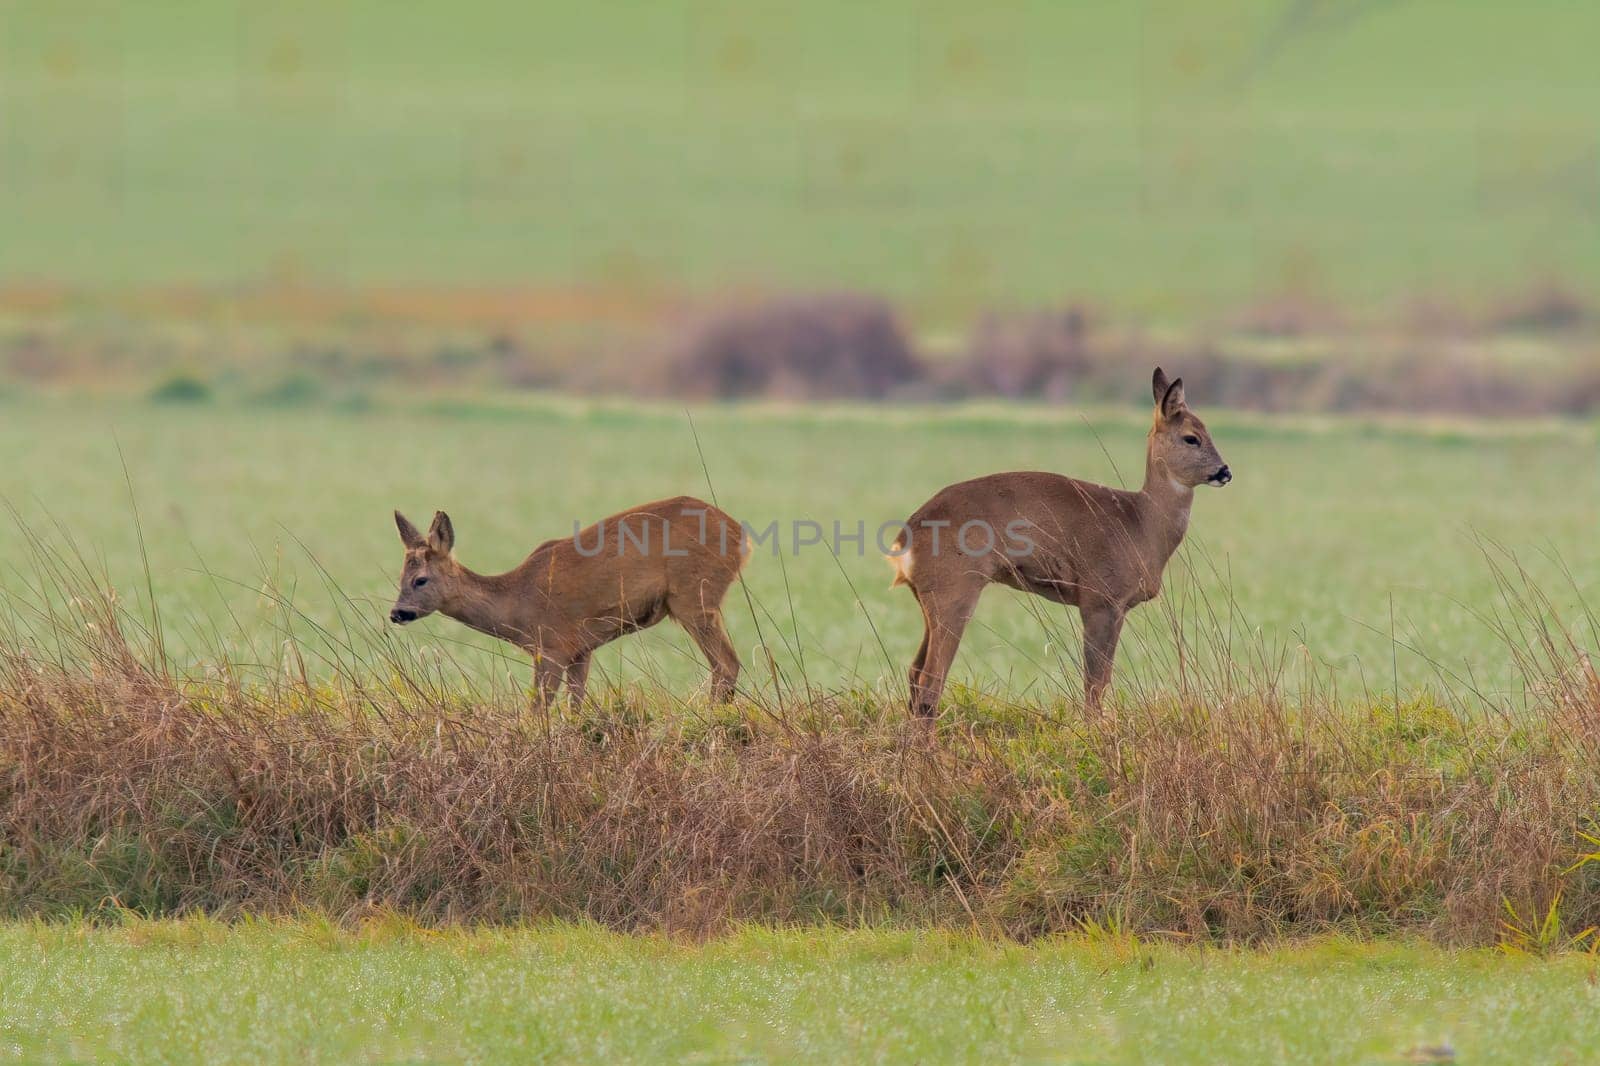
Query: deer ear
441,535
1172,404
1158,386
408,532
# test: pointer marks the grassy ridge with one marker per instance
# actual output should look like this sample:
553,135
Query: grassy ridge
1245,807
1159,158
196,992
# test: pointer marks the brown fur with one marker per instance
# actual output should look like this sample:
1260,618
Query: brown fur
1099,549
672,558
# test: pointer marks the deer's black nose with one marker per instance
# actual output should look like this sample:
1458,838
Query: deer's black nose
1223,476
400,616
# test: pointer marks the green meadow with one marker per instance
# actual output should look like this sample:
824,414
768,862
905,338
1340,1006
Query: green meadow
309,992
1166,159
1362,549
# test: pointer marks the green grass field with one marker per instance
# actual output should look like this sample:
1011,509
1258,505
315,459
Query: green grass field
1326,526
1161,158
303,203
197,992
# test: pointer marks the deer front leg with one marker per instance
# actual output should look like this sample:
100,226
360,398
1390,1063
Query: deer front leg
577,676
1102,625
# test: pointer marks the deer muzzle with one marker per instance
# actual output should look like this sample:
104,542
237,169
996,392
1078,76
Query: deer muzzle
1221,477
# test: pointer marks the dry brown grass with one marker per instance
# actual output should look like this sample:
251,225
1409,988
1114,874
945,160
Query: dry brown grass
1230,810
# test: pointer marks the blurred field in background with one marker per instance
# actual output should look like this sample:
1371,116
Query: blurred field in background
536,195
1160,158
301,255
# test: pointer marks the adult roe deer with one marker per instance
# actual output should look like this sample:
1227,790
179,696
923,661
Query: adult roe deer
672,558
1080,544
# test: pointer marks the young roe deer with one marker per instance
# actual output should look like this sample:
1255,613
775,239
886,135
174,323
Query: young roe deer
668,559
1080,544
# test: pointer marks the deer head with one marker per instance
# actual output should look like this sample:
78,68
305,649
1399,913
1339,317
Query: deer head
1180,444
429,572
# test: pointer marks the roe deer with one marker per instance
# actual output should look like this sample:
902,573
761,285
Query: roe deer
669,559
1097,548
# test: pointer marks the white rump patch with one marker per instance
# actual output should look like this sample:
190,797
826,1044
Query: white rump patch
901,561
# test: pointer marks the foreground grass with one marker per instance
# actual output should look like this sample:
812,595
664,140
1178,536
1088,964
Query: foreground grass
1229,814
203,992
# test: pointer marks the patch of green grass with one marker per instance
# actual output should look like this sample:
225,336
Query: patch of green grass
1165,159
202,992
1324,524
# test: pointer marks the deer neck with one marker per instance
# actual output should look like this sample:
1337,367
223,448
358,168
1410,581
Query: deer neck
1165,504
488,603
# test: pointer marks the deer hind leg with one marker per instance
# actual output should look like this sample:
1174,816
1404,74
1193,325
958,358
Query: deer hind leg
921,657
945,618
1102,625
577,678
705,628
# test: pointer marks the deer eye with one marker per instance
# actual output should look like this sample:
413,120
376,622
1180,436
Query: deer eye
419,582
1190,438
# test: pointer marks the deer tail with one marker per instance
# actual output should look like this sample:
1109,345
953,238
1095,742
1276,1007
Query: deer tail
747,548
899,560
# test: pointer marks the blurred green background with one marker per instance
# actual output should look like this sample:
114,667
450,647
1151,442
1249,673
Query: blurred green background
295,259
1165,159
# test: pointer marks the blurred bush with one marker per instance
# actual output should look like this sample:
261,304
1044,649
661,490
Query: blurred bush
1034,353
810,347
181,388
